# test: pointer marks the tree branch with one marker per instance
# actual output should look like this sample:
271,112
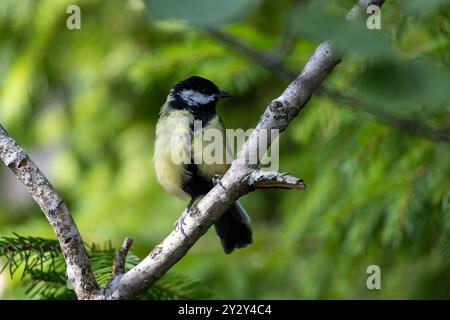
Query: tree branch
79,271
240,178
269,179
119,266
121,257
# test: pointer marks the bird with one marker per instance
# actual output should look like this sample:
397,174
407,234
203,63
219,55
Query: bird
193,101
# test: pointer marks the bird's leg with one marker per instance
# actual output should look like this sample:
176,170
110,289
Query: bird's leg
180,222
216,180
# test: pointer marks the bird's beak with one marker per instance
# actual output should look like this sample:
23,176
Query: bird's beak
224,94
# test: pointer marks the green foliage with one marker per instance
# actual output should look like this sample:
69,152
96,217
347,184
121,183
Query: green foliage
321,21
84,103
414,86
33,253
44,273
200,12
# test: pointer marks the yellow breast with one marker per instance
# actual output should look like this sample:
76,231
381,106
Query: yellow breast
176,145
172,137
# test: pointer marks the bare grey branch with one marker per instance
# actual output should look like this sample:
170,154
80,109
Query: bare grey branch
268,179
79,271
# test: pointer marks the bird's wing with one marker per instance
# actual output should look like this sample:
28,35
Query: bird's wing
214,149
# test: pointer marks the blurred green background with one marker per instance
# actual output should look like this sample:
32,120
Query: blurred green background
84,104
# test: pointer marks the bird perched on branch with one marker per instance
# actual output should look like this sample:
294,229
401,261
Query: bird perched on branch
189,112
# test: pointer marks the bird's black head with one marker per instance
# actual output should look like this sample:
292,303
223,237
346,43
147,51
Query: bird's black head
196,94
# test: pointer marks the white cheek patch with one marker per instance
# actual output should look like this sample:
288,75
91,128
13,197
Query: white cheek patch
193,98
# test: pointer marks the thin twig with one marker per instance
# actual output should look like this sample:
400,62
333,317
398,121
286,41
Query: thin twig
121,257
269,179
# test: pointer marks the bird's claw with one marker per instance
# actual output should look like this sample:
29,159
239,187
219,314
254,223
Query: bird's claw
216,180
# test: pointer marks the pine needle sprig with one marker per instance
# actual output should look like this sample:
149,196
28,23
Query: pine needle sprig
31,252
44,273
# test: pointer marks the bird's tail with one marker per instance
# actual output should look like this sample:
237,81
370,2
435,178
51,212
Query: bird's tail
233,228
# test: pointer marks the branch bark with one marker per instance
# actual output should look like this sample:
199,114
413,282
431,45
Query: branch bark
121,257
268,179
77,262
242,178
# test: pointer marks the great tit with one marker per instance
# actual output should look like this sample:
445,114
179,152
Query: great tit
190,101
